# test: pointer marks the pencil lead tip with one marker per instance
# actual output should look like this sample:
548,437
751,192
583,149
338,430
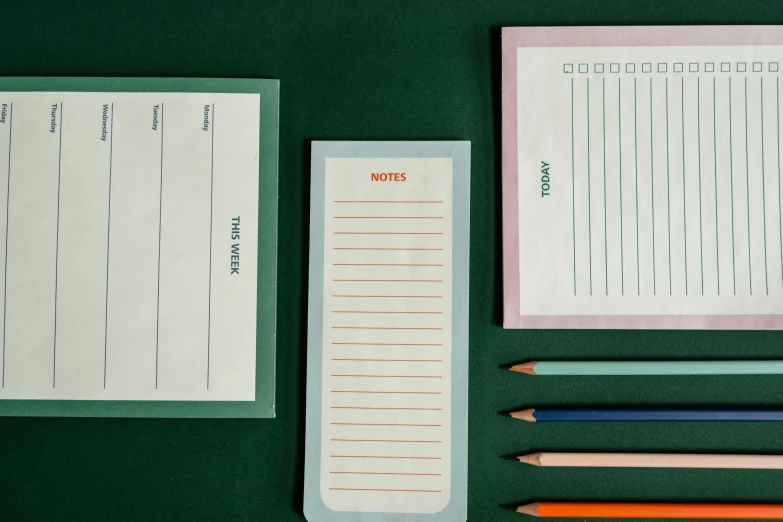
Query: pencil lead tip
525,415
528,368
534,459
529,509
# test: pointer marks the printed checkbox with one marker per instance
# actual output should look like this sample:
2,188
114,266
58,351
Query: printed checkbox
742,67
773,66
583,68
614,67
757,67
662,67
725,67
709,67
630,67
677,67
568,68
693,67
646,67
599,67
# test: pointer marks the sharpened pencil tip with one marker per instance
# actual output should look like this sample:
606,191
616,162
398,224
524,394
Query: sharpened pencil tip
534,459
528,368
529,509
525,415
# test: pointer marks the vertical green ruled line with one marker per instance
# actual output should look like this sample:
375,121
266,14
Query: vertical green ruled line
652,186
636,186
620,153
780,202
747,190
589,196
763,187
715,166
606,235
698,143
731,181
573,187
684,208
668,189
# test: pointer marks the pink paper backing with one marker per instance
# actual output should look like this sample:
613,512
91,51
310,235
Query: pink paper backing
515,37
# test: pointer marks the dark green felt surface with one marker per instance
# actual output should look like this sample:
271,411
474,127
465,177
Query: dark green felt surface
378,69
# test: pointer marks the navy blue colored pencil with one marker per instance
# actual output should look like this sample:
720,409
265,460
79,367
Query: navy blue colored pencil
647,415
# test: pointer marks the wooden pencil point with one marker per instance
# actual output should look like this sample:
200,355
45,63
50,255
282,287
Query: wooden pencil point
529,509
534,459
525,415
528,368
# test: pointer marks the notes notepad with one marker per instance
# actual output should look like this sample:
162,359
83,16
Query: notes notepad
135,279
642,177
388,332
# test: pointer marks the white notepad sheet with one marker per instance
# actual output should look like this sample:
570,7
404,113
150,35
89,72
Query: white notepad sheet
128,223
648,183
385,373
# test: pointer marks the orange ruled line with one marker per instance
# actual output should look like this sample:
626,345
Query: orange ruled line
376,424
389,233
395,409
389,360
388,280
388,217
384,473
381,328
373,248
386,264
388,440
371,392
389,344
388,490
387,376
392,296
385,201
380,312
380,457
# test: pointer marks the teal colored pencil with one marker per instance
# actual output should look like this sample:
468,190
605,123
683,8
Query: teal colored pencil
650,368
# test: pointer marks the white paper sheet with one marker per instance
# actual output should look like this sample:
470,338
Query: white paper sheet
387,335
122,217
649,180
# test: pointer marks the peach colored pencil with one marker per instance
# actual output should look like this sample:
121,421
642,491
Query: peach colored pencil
652,460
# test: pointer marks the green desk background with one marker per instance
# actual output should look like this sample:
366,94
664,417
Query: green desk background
377,69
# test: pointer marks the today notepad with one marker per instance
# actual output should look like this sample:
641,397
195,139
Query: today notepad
388,332
131,283
642,177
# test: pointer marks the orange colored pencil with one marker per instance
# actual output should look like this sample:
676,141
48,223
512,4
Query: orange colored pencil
613,510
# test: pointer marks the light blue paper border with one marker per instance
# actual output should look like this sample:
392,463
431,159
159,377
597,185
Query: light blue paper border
457,509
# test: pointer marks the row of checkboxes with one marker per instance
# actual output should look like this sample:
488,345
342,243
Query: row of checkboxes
677,67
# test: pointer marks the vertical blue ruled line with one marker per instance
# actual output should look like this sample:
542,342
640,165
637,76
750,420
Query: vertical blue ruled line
731,181
7,206
636,186
211,193
589,195
57,251
652,189
160,230
573,188
715,165
747,191
684,193
108,249
764,189
603,142
620,153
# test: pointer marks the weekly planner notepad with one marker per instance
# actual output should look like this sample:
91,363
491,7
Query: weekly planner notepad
138,268
642,177
387,361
